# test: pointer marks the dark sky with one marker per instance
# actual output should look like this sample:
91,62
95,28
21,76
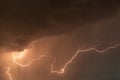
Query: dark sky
66,25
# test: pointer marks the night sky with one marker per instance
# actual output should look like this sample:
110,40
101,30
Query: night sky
59,28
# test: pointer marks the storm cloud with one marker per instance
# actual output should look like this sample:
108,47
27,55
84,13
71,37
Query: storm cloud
22,21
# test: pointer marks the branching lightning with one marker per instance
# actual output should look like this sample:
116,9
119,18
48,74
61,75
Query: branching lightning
20,55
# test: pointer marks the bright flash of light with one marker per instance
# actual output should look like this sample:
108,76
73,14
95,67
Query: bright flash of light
20,55
15,57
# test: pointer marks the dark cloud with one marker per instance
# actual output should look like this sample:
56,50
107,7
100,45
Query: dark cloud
23,21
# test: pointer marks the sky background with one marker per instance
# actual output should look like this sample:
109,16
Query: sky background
58,28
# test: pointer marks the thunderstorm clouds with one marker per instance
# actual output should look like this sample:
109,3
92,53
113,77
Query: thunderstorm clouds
57,29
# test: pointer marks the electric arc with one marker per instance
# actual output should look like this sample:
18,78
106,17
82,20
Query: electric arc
20,55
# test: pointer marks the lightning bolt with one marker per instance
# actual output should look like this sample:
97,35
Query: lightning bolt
17,56
8,72
62,70
20,55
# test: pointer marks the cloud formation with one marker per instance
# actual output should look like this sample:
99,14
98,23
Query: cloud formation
23,21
